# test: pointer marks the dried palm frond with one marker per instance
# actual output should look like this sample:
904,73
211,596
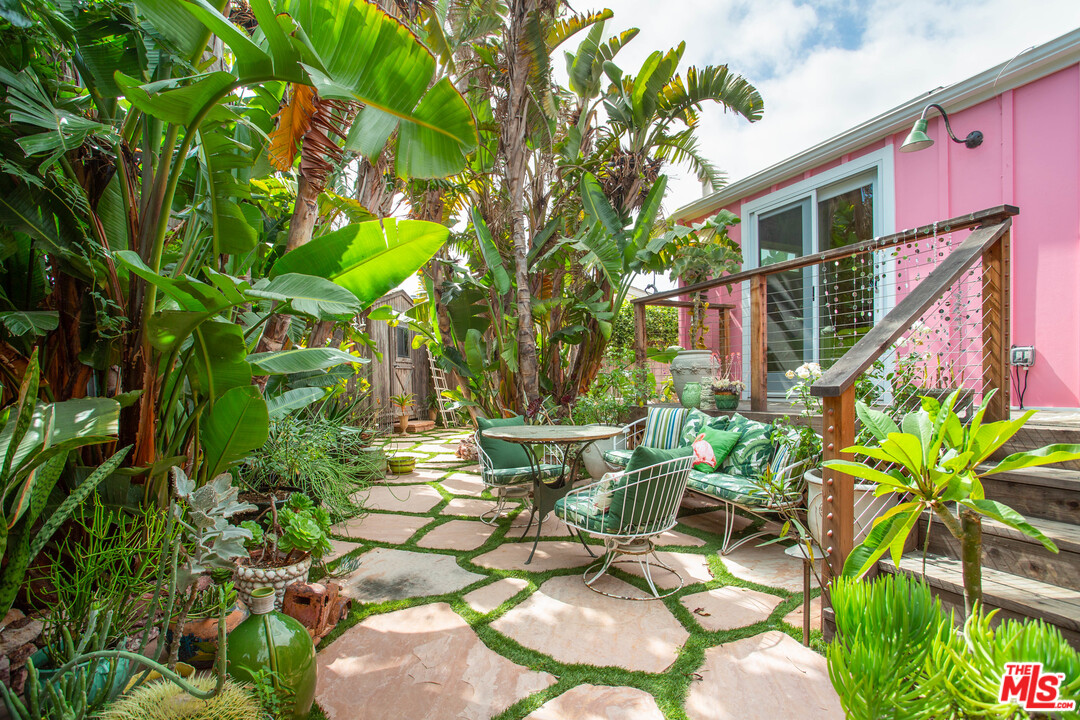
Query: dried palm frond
240,14
294,119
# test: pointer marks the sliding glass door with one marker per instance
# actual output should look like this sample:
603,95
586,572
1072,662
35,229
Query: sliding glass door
784,234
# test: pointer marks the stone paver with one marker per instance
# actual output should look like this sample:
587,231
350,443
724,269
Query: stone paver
598,702
422,662
401,498
763,677
443,458
553,526
339,548
457,535
730,607
381,527
674,537
713,522
419,475
692,568
795,616
468,506
573,624
391,574
435,449
462,484
489,597
767,565
550,555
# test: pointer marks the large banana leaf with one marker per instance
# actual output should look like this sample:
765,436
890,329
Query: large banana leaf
220,359
492,257
295,399
237,424
59,427
221,155
300,360
369,259
308,295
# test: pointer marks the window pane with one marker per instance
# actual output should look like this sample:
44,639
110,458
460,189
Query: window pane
846,287
781,237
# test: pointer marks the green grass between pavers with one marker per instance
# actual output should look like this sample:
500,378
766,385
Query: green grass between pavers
670,688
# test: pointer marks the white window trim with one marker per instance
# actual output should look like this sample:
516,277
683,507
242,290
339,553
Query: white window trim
878,161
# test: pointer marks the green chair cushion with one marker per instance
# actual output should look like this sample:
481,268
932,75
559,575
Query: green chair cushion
584,509
752,453
663,427
722,442
520,475
693,425
631,503
733,488
502,454
618,457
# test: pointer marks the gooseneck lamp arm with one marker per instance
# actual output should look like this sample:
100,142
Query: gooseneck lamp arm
974,138
919,140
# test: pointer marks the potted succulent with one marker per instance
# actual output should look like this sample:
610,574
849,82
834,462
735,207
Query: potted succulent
402,401
282,553
727,392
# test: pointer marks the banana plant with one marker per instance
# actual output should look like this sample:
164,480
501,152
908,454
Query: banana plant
35,440
935,463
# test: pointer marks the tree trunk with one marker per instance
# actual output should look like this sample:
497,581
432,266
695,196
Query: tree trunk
971,558
301,226
515,153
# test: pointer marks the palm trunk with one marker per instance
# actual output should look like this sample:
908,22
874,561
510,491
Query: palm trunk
516,154
971,558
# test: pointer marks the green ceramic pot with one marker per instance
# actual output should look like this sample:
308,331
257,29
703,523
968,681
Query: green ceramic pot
269,640
691,395
726,401
402,465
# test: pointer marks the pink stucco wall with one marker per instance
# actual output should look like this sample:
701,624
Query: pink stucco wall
1030,158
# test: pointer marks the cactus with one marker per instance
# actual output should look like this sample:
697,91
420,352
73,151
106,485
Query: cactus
162,700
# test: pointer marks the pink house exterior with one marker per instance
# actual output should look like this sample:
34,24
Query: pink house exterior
1029,112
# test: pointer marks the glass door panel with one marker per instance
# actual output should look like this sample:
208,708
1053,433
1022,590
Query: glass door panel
845,288
783,235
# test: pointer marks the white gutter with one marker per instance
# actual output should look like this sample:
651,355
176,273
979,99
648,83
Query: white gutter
1038,62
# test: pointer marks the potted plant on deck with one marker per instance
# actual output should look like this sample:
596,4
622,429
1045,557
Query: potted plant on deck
402,401
282,553
727,392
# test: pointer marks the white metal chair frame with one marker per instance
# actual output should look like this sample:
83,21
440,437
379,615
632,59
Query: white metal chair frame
762,512
503,492
632,536
631,435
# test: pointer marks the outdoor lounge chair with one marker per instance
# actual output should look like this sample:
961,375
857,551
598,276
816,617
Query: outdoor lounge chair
628,510
505,468
759,477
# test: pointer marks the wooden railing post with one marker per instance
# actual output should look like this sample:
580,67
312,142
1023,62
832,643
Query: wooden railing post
759,371
995,332
639,335
838,489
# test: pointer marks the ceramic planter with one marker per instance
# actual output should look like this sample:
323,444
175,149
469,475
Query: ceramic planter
691,394
867,507
692,366
274,642
726,400
250,577
98,682
403,424
593,458
402,465
199,638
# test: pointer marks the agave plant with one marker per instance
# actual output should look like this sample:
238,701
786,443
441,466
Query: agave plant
934,462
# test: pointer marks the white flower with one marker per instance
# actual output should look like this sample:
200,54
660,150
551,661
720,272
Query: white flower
803,372
790,374
814,369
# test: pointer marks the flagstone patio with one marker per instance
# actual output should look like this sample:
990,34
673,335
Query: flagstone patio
449,622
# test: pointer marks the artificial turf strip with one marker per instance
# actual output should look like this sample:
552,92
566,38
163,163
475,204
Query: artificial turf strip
669,688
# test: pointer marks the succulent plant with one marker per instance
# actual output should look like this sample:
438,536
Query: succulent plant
162,700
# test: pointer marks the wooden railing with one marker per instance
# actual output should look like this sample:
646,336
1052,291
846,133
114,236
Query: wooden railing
989,242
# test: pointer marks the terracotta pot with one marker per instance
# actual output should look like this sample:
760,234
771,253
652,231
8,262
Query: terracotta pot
199,638
249,577
403,424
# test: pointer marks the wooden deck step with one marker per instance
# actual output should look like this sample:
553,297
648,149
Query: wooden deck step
1051,493
1012,551
1015,596
1034,435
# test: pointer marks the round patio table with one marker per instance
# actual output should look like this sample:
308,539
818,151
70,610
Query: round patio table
572,440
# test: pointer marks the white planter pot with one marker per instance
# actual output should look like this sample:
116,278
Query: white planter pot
693,366
593,458
247,578
867,507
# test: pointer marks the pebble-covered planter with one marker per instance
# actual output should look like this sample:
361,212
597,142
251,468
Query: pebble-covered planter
249,577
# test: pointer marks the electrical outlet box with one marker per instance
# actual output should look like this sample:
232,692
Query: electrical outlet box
1022,355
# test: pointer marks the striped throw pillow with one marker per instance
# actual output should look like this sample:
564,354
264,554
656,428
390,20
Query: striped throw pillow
663,427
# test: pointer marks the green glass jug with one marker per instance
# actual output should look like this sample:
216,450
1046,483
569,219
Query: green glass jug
271,641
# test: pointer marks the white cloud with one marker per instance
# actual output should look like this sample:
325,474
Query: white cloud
818,81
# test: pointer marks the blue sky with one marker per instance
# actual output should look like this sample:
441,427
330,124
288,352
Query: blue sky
823,66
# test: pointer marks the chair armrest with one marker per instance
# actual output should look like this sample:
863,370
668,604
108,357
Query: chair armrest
631,435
